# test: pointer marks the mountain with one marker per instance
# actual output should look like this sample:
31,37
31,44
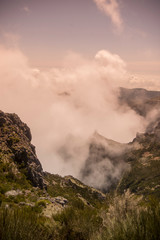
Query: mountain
143,177
20,170
16,151
37,205
140,100
109,164
134,166
105,164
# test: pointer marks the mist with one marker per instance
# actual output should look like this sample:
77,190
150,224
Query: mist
65,105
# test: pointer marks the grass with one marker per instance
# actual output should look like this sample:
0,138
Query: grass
130,217
123,217
69,190
22,224
9,180
78,223
142,179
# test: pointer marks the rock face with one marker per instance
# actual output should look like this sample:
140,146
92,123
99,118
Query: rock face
105,164
16,148
111,164
134,166
144,174
139,99
22,179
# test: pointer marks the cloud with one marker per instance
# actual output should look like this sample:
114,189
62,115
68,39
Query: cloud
149,81
105,164
65,105
113,60
11,39
26,9
111,8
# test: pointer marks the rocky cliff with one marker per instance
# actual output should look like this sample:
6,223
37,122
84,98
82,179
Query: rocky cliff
134,166
140,100
144,174
22,180
65,208
16,150
105,164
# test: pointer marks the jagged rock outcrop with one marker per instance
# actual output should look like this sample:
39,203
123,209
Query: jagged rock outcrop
22,178
144,174
134,166
105,164
16,149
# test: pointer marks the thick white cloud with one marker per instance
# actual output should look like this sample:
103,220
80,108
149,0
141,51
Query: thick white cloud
65,106
111,9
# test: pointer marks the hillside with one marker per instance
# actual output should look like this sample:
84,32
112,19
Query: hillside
22,177
17,154
105,163
39,205
144,174
128,166
140,100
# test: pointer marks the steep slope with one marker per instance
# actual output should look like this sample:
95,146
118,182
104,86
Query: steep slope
61,208
144,174
134,166
105,164
108,160
17,154
22,180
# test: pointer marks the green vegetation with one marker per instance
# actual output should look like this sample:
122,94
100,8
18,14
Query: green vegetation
67,209
22,224
69,187
132,218
9,180
78,223
143,177
122,217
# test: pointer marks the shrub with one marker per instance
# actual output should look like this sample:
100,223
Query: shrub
41,203
128,217
22,224
79,224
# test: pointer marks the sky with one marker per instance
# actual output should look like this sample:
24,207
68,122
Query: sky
61,63
46,30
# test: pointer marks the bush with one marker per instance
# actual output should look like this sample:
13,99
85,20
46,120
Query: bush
22,224
79,224
128,217
41,203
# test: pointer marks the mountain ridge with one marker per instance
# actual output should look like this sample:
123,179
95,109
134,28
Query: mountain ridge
38,205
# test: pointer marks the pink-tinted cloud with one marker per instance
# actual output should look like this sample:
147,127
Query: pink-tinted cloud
111,8
65,105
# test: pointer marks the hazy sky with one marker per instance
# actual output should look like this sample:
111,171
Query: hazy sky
46,30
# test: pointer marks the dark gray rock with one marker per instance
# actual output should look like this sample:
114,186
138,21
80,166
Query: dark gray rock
15,143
